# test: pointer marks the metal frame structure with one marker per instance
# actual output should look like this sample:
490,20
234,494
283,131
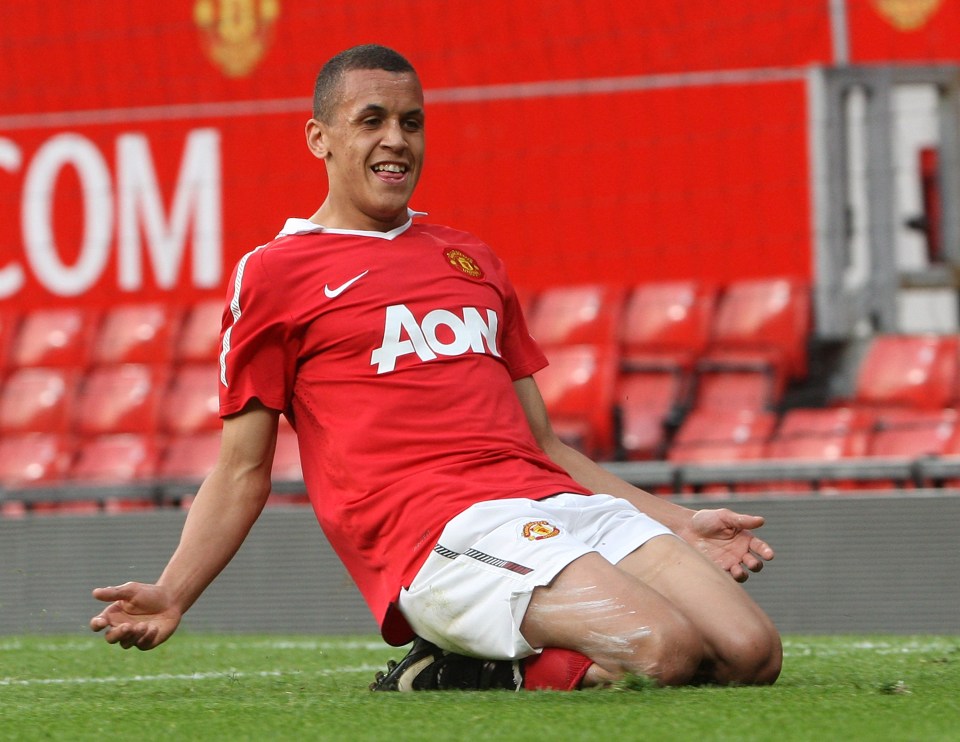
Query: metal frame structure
844,306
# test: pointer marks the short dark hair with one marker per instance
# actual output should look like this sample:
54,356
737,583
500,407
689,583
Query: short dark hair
364,57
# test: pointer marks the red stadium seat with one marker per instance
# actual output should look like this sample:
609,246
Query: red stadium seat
120,399
762,323
578,390
667,323
821,434
729,389
648,402
54,337
816,435
722,435
122,458
192,401
190,457
577,315
136,333
33,459
199,336
37,400
909,370
910,433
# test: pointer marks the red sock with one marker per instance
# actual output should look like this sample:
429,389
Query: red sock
555,669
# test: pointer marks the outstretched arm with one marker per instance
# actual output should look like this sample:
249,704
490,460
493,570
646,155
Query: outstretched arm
722,535
226,506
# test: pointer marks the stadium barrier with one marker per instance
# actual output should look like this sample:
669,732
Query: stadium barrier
882,561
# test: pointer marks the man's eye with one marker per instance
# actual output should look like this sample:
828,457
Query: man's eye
372,121
413,125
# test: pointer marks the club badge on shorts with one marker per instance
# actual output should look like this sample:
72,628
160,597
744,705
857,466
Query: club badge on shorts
538,530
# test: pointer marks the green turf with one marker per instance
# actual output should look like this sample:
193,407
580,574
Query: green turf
200,687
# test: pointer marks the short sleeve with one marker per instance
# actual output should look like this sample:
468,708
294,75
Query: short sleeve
258,346
521,352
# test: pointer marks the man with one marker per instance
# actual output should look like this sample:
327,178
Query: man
399,352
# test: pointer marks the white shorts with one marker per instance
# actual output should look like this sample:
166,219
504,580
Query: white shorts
471,594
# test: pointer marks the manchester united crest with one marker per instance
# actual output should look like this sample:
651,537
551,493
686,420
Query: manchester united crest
907,15
538,530
235,34
464,263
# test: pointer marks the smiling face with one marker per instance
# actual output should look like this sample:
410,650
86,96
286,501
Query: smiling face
373,148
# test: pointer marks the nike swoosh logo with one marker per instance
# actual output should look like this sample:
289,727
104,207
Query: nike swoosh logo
334,293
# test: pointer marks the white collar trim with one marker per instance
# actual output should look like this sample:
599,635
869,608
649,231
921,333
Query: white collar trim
296,225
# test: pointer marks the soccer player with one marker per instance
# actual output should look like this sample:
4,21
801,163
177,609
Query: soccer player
398,351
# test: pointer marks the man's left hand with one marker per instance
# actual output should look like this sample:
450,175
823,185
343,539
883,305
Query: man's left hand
726,539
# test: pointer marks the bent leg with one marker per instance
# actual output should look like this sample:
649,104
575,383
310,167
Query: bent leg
624,626
741,644
664,611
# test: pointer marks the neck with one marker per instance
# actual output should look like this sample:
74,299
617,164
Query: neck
328,216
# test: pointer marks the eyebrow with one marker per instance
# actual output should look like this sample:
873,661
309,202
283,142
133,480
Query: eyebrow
381,110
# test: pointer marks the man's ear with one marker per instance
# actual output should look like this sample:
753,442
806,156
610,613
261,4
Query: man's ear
316,132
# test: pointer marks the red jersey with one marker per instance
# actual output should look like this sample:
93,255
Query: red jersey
393,355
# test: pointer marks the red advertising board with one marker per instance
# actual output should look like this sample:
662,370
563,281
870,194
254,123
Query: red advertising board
144,147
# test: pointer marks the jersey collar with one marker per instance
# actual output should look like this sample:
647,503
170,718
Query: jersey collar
296,225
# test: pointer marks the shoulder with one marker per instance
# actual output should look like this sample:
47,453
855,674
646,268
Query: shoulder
255,271
455,239
276,256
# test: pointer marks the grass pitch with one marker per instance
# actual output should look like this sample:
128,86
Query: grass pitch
241,687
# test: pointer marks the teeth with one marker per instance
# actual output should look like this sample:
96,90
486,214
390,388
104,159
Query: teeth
390,168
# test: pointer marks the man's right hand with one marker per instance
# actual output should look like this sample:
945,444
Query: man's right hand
139,615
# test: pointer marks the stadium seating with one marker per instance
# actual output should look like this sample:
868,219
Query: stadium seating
722,435
670,370
54,337
911,433
815,435
821,434
37,400
120,399
191,403
760,327
121,458
667,324
199,337
578,390
909,370
33,458
649,404
727,388
136,333
190,457
577,315
717,437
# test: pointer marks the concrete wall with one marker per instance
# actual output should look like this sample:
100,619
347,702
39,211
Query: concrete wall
858,563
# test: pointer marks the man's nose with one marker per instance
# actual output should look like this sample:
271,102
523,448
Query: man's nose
393,136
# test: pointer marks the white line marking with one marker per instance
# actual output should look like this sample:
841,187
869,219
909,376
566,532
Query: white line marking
800,648
466,94
164,677
14,645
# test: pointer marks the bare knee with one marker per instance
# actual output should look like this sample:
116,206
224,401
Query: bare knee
669,655
751,657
